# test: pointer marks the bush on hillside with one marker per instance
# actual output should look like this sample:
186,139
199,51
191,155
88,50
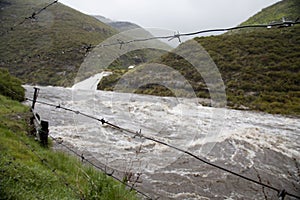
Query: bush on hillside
11,86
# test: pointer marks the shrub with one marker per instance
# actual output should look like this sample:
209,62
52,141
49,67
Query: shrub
11,86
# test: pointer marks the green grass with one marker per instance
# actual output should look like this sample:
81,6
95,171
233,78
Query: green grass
24,176
11,86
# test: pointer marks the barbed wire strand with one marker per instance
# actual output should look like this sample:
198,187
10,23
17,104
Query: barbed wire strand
139,134
119,42
178,35
31,16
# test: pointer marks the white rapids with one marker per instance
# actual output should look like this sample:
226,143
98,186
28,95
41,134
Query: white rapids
184,123
90,83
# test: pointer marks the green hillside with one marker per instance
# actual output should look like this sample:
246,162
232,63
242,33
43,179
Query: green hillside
260,68
288,9
50,48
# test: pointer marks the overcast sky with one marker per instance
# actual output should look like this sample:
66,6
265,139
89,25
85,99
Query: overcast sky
179,15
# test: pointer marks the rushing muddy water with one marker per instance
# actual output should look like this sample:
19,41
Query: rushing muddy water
260,146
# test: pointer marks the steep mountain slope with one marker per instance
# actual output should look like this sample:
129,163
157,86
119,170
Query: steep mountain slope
49,48
260,67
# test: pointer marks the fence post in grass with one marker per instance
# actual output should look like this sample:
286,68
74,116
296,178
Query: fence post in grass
43,133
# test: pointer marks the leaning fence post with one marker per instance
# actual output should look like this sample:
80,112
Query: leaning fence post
43,133
35,95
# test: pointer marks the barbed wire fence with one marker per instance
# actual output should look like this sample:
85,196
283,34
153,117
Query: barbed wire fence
105,169
179,35
281,192
176,35
123,177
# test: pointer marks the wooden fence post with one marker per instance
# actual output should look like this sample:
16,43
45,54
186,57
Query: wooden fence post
44,132
35,95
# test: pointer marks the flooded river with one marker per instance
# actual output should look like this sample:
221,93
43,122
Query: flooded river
261,146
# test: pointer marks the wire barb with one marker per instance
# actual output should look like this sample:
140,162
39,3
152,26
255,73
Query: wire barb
176,35
102,121
138,133
121,43
32,16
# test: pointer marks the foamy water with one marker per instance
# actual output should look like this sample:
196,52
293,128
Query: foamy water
240,140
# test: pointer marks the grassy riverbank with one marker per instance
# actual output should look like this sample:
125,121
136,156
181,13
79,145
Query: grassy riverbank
30,171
